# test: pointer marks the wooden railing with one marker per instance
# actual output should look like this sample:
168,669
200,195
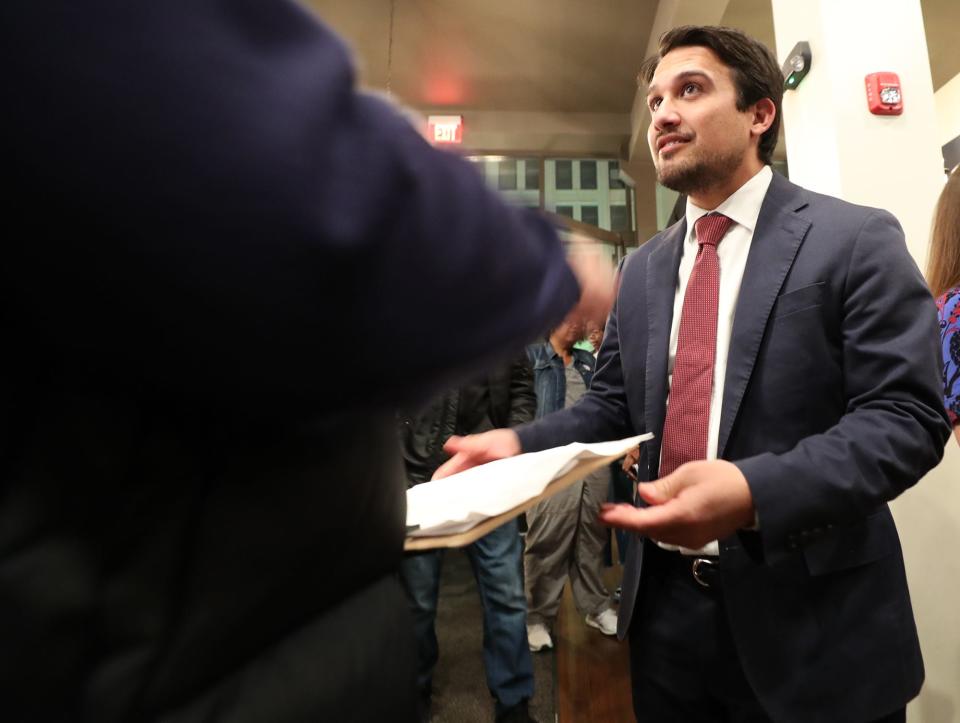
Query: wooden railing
621,240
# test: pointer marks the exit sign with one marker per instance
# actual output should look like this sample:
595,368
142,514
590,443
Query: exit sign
445,128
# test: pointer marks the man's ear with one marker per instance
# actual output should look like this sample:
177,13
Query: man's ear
764,112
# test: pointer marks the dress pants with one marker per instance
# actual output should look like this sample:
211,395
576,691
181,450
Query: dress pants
565,539
495,559
684,664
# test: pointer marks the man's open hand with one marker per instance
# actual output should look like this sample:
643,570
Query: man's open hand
475,449
699,502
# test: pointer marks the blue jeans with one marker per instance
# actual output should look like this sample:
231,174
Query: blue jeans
496,560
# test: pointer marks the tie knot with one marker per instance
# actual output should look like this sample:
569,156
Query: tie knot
711,228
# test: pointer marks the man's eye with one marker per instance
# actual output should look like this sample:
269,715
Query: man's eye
655,103
688,89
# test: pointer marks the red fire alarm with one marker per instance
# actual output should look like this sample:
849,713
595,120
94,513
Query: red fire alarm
884,96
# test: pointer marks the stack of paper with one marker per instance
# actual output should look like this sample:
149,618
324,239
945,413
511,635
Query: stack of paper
442,513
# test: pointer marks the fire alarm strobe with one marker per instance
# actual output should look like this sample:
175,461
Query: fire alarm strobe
884,96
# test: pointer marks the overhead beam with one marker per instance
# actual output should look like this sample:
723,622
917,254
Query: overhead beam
555,134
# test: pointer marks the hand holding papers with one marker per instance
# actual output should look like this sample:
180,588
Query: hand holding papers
477,449
459,509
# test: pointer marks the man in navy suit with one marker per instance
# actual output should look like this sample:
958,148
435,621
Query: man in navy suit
766,581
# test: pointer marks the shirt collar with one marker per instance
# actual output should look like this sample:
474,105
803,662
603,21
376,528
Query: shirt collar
742,206
575,353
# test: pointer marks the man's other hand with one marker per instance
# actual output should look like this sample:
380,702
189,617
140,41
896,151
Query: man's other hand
699,502
476,449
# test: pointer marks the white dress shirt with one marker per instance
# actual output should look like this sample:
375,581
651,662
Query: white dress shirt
743,207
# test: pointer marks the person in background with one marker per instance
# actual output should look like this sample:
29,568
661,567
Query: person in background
780,346
595,335
196,523
943,275
564,537
621,486
501,398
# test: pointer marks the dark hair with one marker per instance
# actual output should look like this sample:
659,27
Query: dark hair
756,74
943,266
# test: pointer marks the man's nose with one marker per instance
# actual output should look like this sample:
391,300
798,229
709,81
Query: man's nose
665,116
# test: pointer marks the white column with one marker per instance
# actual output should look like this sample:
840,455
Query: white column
835,146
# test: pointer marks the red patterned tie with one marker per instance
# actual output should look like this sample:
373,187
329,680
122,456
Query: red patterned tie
688,407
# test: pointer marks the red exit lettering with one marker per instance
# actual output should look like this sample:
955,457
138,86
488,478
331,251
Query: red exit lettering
446,129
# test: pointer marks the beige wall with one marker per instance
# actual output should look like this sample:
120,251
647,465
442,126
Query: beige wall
947,102
929,521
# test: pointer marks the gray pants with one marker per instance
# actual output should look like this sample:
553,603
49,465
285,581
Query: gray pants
565,538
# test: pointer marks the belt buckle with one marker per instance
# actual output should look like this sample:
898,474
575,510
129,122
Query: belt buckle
700,566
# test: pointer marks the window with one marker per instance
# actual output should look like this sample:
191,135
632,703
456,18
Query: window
614,171
565,211
564,175
531,174
588,175
618,218
590,214
507,175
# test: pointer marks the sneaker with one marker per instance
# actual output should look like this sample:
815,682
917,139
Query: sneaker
605,622
538,637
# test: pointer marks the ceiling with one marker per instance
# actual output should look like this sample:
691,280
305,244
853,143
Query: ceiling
941,18
505,55
565,69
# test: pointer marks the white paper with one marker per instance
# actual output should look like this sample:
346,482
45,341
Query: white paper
461,501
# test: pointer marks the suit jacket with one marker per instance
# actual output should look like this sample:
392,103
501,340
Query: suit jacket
830,409
199,519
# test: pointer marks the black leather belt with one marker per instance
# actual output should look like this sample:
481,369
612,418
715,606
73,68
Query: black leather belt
702,569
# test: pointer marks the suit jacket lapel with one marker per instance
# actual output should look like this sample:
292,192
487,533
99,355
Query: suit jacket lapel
776,241
663,266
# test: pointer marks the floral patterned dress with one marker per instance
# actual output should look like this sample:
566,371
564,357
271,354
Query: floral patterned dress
948,308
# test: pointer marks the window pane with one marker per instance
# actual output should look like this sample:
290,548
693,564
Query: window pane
531,174
590,214
618,218
615,181
507,175
564,175
588,174
565,211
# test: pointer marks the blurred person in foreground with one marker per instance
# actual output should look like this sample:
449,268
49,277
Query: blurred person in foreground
501,398
564,536
781,346
943,274
195,523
